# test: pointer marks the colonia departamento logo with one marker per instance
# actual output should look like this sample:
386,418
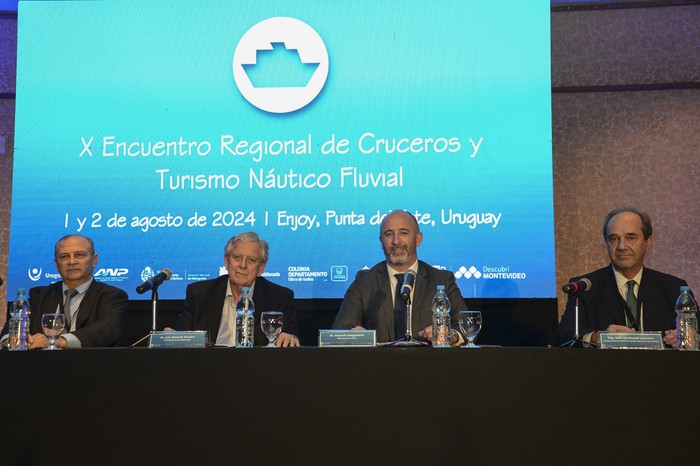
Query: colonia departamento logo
280,65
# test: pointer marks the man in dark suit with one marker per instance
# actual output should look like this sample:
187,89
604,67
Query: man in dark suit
210,305
370,300
625,296
94,312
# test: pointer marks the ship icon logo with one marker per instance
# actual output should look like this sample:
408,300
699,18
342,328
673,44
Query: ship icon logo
280,65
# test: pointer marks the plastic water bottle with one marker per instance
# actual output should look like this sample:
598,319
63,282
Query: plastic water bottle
245,320
686,320
441,319
19,322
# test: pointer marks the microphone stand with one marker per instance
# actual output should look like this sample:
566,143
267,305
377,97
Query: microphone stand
407,340
577,337
154,306
154,310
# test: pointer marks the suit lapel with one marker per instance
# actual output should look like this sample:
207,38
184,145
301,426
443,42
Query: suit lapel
419,295
214,307
387,307
259,293
87,305
612,296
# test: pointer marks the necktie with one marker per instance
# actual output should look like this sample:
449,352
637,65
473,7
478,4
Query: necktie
399,310
70,292
632,303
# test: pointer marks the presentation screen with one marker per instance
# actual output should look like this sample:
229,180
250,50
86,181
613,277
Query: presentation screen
160,129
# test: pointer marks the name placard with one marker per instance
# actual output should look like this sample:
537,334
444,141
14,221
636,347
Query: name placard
344,338
193,339
636,340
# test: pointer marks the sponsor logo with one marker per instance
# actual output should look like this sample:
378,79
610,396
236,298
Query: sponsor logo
198,277
339,273
34,274
467,272
489,273
147,273
112,274
304,274
280,65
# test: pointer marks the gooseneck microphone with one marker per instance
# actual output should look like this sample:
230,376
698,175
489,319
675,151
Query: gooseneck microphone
409,278
576,287
154,281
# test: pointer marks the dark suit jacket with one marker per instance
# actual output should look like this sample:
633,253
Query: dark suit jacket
369,301
603,305
100,317
205,301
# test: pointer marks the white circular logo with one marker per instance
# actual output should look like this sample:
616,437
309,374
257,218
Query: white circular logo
34,274
295,35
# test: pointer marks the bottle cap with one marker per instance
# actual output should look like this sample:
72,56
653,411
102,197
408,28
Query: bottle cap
685,288
441,287
245,289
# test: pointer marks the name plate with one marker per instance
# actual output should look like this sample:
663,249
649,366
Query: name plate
344,338
194,339
636,340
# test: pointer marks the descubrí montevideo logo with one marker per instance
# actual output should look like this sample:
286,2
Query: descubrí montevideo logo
280,65
486,272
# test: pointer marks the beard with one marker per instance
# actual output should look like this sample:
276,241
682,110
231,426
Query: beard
398,255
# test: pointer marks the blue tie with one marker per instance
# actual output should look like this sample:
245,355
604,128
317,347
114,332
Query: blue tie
70,292
399,310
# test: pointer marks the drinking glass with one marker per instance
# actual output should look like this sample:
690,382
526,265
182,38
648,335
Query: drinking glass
271,323
53,326
470,323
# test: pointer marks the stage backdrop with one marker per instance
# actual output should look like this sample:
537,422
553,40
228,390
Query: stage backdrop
162,128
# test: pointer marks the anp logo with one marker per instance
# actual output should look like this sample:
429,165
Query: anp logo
300,58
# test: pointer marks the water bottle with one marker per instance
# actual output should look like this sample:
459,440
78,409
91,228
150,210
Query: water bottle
686,320
441,319
19,322
245,320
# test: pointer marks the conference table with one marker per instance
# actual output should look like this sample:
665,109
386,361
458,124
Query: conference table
355,406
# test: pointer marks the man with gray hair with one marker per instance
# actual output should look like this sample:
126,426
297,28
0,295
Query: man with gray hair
211,305
625,296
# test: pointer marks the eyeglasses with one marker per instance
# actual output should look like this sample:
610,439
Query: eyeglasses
248,260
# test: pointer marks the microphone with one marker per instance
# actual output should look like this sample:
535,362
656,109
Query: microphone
153,282
574,287
409,278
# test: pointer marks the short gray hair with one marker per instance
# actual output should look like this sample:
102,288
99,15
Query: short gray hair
250,237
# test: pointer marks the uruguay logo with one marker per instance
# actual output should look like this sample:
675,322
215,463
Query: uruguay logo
34,274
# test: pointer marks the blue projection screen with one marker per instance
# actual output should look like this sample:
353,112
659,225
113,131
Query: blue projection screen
162,128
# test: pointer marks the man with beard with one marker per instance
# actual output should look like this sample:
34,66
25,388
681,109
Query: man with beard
371,302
